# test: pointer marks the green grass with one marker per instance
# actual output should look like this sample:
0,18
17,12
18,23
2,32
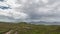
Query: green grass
24,28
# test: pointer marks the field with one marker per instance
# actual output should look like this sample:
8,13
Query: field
25,28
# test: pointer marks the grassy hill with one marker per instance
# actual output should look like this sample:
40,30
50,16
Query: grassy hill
24,28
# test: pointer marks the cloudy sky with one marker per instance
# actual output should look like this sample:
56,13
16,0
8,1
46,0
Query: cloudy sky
30,10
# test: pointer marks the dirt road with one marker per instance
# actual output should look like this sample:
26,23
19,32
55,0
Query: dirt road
9,32
16,32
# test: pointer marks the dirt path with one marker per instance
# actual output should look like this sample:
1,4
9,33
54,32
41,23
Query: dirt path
9,32
16,32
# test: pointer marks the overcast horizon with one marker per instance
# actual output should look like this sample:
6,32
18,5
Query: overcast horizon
30,10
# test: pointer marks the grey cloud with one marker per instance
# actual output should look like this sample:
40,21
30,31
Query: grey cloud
1,0
4,7
38,11
51,12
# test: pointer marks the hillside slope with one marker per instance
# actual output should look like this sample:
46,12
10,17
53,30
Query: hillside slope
24,28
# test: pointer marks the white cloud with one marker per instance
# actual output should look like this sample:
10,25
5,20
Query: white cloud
45,1
32,10
12,12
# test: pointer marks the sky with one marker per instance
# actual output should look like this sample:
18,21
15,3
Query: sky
30,10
